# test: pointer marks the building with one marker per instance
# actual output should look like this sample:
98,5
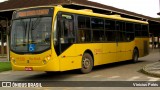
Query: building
8,7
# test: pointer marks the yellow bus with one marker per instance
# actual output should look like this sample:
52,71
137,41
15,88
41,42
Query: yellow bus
54,38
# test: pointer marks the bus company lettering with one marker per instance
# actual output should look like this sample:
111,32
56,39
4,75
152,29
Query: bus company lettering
34,58
98,51
136,42
21,58
30,58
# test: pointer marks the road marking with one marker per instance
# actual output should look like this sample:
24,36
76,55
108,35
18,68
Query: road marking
110,78
113,77
46,89
38,88
133,78
67,88
80,88
96,76
153,79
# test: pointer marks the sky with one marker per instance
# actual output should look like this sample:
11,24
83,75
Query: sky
145,7
2,0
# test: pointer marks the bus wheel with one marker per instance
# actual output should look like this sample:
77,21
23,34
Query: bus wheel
87,63
135,56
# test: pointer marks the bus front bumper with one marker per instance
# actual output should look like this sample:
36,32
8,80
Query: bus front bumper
47,67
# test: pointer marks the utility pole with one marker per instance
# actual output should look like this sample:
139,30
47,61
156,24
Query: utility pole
159,34
159,7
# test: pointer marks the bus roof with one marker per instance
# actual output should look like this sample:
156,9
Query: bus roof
89,12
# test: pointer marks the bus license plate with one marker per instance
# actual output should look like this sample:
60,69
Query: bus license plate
28,68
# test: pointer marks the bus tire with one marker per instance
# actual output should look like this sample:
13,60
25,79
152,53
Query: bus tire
87,63
135,56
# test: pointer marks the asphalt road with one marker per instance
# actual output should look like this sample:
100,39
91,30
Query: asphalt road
123,71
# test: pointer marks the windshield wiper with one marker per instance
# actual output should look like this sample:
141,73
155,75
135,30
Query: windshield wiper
24,24
35,24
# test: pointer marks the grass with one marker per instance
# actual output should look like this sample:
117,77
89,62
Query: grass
5,66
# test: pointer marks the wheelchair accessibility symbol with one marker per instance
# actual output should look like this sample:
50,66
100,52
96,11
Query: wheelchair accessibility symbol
31,47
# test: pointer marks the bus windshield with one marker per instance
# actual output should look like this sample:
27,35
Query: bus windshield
31,35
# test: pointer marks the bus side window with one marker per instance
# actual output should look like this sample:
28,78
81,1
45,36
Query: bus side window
97,29
130,31
110,31
145,31
120,27
84,31
138,30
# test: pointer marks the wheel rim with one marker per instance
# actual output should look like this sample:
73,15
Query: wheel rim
86,63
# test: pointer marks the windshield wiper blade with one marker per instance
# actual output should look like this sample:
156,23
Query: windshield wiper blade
24,25
34,25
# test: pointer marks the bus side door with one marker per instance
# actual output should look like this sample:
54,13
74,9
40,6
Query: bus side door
67,39
65,32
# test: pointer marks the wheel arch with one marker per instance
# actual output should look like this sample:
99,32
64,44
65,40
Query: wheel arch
90,52
136,48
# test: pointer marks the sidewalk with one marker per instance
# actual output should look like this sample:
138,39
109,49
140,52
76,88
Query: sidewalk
3,59
153,69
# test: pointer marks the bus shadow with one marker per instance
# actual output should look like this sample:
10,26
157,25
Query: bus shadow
51,76
116,64
54,76
61,76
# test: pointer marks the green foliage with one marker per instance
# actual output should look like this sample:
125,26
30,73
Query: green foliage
5,66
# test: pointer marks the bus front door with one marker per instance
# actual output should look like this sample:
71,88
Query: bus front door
67,33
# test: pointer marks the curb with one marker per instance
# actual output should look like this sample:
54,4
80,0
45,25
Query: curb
147,69
4,61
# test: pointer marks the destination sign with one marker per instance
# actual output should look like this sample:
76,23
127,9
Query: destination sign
33,12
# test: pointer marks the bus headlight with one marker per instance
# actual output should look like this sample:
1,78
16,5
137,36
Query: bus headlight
13,60
46,59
